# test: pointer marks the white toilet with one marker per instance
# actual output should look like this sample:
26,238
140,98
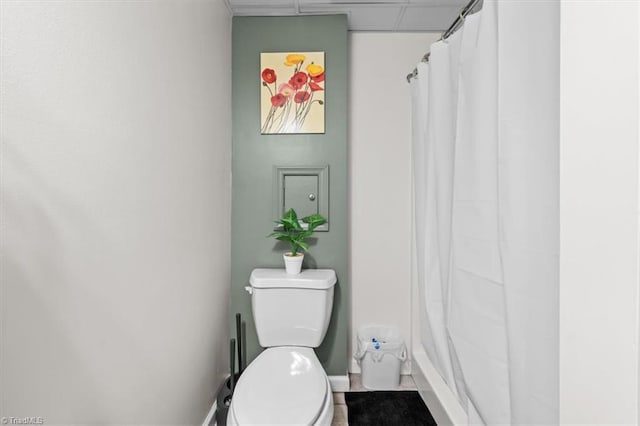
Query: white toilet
286,384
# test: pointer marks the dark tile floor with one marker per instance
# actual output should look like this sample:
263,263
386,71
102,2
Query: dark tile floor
340,407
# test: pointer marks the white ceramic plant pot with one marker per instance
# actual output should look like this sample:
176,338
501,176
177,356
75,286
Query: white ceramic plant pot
293,264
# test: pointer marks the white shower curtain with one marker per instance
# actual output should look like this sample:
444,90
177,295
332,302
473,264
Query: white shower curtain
485,139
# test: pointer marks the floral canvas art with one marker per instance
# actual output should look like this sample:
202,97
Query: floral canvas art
292,92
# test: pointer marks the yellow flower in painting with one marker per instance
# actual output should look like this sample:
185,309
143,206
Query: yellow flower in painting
314,70
294,59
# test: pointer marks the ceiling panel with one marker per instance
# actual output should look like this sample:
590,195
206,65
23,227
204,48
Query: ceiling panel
352,2
448,3
257,8
363,15
427,18
261,4
362,18
374,19
265,11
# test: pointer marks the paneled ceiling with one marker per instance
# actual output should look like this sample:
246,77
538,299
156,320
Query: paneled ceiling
363,15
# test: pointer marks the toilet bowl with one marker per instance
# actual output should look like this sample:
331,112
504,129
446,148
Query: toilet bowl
283,386
286,384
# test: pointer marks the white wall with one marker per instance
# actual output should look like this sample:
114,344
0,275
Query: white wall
380,178
599,213
115,207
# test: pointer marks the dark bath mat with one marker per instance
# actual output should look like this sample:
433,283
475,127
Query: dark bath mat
387,408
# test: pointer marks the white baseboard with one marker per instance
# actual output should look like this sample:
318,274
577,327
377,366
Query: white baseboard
339,383
405,368
211,414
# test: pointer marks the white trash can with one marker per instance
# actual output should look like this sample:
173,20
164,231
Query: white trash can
381,352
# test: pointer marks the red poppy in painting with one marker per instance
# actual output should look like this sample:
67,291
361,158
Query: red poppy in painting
315,86
298,80
301,96
318,78
268,75
278,100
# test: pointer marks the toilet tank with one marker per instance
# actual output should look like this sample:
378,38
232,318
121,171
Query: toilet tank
291,310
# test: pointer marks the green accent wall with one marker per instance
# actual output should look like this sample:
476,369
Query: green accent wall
255,155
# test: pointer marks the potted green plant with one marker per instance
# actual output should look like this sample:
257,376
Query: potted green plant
295,234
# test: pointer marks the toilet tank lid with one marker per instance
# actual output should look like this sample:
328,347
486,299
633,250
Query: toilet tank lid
321,279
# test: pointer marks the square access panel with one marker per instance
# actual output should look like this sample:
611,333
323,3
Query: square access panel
304,188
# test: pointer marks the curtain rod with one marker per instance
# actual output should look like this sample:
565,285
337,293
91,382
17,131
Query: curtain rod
452,28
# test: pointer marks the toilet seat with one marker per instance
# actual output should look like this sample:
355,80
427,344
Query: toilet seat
283,385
